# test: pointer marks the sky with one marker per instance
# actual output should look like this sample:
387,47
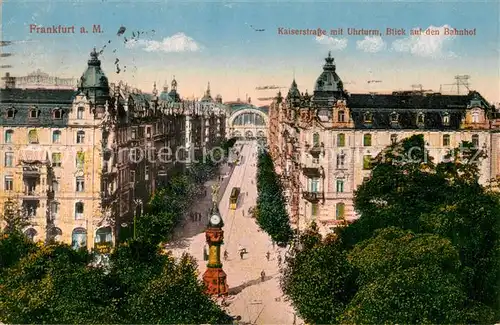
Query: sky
217,42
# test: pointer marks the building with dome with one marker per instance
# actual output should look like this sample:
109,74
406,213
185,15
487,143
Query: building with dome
247,121
323,144
82,161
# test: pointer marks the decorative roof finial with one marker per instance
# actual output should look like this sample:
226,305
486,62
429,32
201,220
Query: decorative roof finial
155,91
329,59
174,84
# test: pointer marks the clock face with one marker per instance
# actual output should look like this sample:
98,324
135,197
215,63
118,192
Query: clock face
215,219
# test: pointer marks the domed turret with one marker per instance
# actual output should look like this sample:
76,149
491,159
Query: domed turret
328,85
293,92
174,96
94,83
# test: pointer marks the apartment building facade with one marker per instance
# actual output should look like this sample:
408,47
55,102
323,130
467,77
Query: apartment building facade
322,144
81,162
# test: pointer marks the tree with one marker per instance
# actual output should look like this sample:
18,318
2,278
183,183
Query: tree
14,217
426,247
406,278
55,284
271,216
13,246
319,289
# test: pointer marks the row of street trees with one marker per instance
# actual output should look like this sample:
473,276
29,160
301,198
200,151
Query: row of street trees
54,284
426,248
271,213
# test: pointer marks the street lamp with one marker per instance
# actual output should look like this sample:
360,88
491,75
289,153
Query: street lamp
137,202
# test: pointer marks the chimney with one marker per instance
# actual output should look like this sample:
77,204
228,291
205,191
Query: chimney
10,82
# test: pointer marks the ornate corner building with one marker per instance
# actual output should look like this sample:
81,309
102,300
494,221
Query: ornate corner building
323,144
82,162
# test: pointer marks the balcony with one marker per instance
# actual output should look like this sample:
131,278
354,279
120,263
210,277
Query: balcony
31,171
317,150
313,197
312,168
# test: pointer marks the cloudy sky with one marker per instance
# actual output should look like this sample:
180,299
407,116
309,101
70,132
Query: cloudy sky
216,42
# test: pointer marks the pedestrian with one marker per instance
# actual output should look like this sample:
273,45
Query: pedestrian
262,276
279,259
243,212
226,255
274,245
241,254
268,255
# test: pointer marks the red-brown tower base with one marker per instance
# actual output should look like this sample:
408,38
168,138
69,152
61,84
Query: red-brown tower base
215,282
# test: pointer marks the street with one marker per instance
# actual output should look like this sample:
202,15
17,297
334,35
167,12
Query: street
255,301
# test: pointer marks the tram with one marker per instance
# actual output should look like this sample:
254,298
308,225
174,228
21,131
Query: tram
233,199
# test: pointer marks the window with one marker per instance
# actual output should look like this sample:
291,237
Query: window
420,118
132,176
340,210
58,114
341,117
32,136
133,133
55,186
367,162
9,159
10,113
313,185
8,183
34,113
8,136
367,140
54,208
148,132
133,155
394,117
446,140
341,140
475,140
56,159
56,136
446,119
80,159
394,138
80,137
475,117
340,185
78,210
340,160
314,209
146,173
79,113
80,184
315,139
368,117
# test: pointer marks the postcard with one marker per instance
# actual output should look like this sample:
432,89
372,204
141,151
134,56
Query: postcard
255,162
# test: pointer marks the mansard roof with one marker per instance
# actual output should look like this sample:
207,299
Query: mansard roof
405,107
37,96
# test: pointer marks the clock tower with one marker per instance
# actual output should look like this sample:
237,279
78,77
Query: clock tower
214,277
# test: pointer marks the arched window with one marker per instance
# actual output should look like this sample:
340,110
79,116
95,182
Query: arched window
33,136
475,117
316,139
56,136
31,234
394,117
58,113
446,140
8,136
80,137
446,119
79,238
10,113
367,140
341,116
420,118
56,233
34,113
104,235
340,140
79,113
367,117
79,210
475,140
340,211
